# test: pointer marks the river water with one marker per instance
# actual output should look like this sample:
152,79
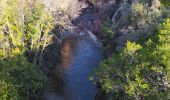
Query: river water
81,55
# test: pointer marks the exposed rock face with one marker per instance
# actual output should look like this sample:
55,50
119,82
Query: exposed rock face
128,25
122,13
122,24
120,20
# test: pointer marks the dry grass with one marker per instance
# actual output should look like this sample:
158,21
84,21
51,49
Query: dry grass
64,10
62,4
58,9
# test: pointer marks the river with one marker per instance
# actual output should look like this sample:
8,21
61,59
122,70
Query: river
81,55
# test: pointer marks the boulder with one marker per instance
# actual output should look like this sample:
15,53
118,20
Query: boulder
122,13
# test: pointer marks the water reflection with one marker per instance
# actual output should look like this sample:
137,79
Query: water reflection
81,54
67,51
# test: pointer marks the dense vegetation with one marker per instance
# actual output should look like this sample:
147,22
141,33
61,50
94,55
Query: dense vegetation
140,69
25,28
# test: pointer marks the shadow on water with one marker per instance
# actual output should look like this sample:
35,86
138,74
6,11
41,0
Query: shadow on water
81,55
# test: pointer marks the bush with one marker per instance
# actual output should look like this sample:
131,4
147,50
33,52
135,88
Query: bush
139,71
19,79
144,15
7,91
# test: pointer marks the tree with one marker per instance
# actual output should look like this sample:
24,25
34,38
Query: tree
139,71
25,31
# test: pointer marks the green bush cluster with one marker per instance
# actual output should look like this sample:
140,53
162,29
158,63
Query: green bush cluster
140,70
19,79
145,14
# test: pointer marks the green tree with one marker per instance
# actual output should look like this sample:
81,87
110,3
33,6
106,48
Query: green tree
19,79
25,31
139,71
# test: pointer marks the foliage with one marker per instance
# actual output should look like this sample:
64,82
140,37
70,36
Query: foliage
165,2
31,32
145,14
139,15
139,71
134,21
19,79
25,32
108,36
7,91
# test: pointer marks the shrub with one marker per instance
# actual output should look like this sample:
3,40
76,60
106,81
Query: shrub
7,91
108,36
139,71
19,79
144,15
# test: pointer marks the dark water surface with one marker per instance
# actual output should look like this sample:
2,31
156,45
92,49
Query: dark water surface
81,55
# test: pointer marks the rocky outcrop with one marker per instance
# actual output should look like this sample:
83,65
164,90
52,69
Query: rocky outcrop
120,21
122,14
121,24
131,22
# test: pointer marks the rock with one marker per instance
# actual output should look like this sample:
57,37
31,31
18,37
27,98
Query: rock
122,13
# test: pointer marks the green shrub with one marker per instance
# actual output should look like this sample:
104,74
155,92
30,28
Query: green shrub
108,35
139,71
144,15
7,91
19,79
